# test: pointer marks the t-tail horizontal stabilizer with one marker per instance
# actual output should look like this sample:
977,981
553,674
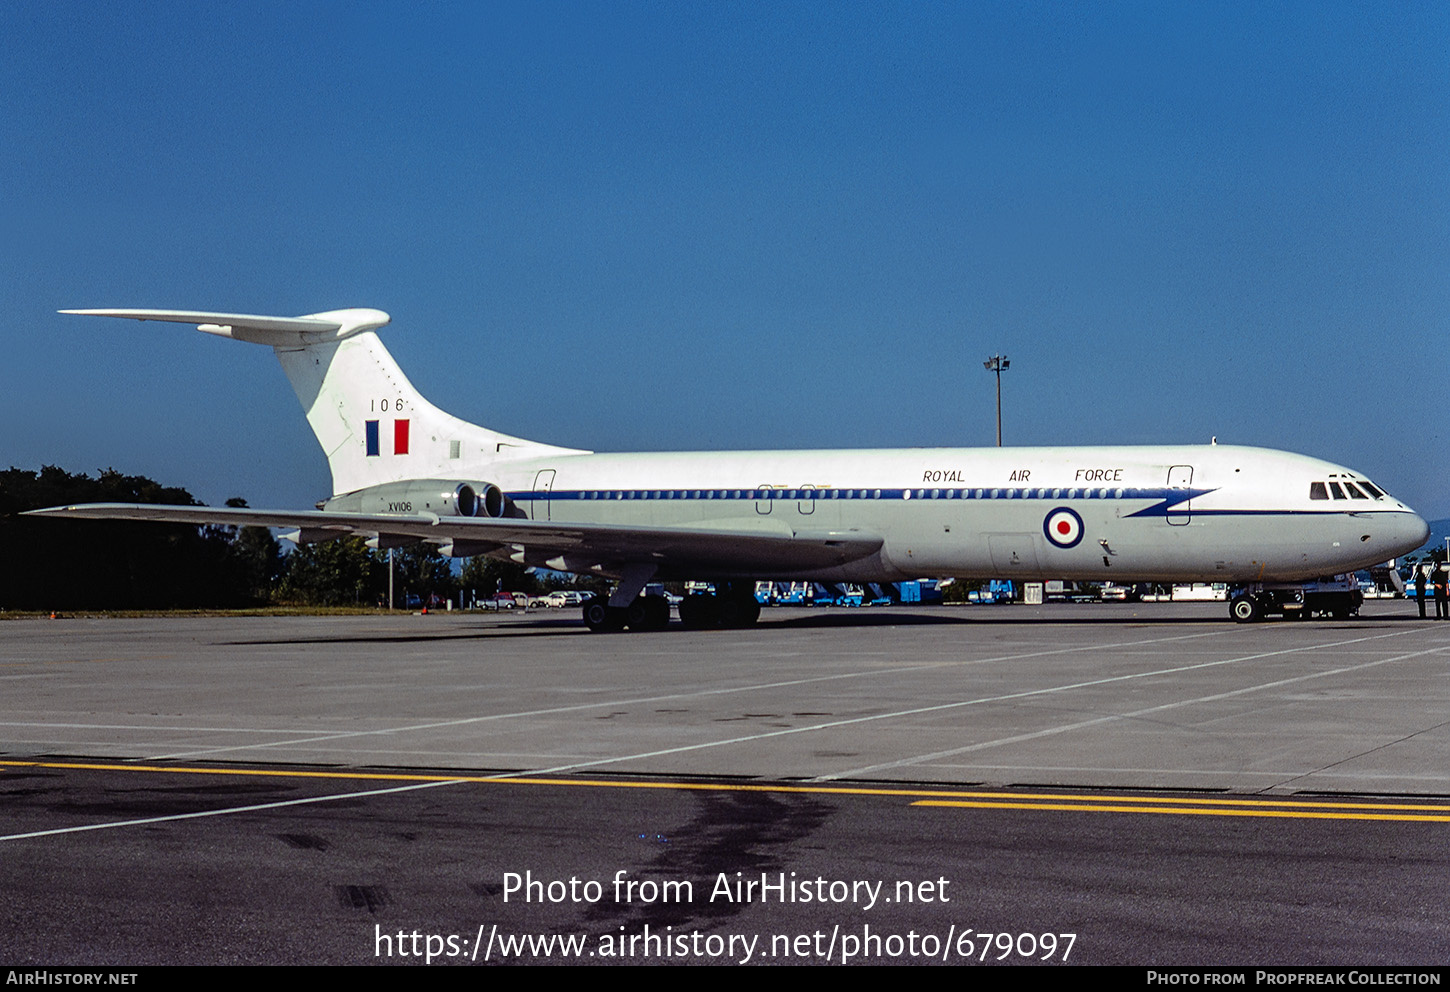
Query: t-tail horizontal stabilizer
279,332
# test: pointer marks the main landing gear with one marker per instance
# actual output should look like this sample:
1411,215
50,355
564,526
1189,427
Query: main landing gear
644,613
733,607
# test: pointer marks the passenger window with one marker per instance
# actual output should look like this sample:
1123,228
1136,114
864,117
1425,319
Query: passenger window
1317,490
1338,493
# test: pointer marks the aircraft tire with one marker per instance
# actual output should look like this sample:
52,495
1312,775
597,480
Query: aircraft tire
651,613
698,612
752,611
659,613
739,610
1246,609
601,618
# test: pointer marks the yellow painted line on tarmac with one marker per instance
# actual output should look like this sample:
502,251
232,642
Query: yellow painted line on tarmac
1060,802
1297,813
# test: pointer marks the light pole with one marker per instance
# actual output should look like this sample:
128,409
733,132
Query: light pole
999,364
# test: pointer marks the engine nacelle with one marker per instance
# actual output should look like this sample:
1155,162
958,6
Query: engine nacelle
444,497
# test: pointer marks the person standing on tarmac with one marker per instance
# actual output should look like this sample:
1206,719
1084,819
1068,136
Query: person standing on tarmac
1420,588
1442,593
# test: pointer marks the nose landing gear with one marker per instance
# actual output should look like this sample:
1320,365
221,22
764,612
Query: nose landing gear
1337,596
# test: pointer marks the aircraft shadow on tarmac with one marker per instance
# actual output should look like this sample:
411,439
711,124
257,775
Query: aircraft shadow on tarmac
569,626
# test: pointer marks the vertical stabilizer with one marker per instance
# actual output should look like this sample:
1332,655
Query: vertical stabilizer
372,424
375,427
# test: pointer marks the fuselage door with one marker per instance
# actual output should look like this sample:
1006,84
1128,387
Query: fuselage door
1180,477
807,503
543,485
762,506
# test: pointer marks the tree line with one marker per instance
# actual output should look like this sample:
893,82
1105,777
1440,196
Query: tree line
57,564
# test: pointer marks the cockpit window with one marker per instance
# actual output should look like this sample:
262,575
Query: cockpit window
1317,490
1354,492
1372,490
1338,493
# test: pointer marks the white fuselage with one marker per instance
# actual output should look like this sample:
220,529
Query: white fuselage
1207,513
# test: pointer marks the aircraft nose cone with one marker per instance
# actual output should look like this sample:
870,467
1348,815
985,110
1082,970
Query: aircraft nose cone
1416,530
1397,533
1404,532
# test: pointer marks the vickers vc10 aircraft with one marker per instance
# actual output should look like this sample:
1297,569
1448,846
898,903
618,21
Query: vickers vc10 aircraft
404,471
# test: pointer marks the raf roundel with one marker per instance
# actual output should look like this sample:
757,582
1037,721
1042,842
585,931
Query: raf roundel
1063,527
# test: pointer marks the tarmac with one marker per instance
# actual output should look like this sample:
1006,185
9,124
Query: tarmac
1141,784
1144,696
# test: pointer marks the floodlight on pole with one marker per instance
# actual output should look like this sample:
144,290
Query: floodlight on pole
998,364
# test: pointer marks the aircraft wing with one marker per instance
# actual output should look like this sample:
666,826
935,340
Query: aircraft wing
772,548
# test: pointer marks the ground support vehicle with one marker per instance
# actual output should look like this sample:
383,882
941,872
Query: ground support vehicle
994,591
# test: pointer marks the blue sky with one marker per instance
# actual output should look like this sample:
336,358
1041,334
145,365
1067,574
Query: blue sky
653,226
